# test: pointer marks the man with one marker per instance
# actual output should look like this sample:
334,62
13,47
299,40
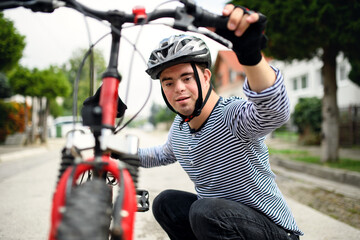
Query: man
220,142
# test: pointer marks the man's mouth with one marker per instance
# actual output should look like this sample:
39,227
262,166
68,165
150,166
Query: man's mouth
180,99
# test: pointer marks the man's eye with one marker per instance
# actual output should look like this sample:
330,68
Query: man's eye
168,84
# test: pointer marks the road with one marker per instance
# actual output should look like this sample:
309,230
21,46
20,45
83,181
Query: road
27,185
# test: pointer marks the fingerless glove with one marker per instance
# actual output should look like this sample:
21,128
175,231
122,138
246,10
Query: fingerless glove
248,47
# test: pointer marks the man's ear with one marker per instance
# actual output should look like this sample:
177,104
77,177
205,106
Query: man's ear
207,75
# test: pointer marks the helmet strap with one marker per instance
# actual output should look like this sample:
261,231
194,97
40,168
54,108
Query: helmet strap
199,100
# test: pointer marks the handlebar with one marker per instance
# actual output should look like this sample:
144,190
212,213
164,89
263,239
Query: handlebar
187,18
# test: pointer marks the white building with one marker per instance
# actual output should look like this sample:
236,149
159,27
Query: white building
303,79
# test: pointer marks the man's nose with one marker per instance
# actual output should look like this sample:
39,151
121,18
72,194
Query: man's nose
179,86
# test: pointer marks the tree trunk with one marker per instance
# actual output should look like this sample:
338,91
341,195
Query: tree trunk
26,121
41,118
34,120
330,111
44,133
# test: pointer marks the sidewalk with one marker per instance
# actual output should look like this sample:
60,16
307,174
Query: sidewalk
14,152
317,226
337,175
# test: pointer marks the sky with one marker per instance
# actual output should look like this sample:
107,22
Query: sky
52,39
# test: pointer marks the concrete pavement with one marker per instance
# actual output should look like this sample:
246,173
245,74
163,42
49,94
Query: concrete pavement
316,225
337,175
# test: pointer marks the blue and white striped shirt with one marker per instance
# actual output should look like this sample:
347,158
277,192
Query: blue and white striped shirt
227,158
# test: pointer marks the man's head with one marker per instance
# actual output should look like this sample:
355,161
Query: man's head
177,62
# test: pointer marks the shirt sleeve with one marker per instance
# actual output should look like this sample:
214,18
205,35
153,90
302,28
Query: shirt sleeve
158,155
262,113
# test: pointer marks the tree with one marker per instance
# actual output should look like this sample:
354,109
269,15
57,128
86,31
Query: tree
307,118
303,29
56,109
21,82
43,86
160,114
71,70
5,89
52,83
12,44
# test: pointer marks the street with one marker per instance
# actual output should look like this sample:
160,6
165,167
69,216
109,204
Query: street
27,186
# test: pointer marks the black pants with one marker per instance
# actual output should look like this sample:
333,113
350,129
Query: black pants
184,217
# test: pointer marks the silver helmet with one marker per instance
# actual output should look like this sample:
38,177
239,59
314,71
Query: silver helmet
175,50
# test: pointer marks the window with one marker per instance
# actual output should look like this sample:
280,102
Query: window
300,82
342,72
319,77
304,81
295,87
233,75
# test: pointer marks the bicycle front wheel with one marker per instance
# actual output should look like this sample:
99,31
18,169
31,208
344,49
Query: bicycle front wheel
87,212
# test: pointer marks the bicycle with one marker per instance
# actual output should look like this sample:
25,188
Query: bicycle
86,210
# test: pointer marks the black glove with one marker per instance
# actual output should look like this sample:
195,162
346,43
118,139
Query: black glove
94,101
248,46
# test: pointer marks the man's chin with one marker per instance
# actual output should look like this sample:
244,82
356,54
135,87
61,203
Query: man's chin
185,113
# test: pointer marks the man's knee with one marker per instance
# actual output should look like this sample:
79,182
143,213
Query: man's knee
202,211
205,218
160,202
172,202
205,208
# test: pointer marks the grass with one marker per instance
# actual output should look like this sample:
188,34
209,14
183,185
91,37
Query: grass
304,156
286,136
288,151
346,163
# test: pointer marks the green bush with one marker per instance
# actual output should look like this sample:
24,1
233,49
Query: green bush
307,118
11,119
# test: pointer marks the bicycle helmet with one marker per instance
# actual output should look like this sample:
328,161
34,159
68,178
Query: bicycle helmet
181,49
175,50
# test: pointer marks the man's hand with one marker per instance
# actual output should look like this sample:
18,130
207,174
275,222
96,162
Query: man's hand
239,20
245,30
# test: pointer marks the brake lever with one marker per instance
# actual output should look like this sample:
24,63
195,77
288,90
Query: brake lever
185,22
212,35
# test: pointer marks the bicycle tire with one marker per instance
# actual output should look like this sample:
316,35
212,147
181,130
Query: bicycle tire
88,213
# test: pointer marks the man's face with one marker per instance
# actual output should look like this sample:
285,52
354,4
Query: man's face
180,88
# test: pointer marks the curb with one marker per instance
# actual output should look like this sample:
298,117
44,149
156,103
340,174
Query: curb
21,154
338,175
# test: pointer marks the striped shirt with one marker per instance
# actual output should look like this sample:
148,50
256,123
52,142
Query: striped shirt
227,158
